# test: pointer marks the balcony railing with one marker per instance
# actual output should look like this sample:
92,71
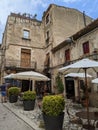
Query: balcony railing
92,57
18,64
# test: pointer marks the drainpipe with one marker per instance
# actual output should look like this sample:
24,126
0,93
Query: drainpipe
84,18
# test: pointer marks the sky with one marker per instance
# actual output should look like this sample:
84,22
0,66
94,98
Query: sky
39,6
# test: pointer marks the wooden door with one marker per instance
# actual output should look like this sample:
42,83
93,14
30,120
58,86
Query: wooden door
25,58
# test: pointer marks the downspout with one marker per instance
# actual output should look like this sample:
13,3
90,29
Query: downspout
84,18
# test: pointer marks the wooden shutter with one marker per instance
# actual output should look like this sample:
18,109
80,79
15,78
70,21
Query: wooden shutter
25,57
86,47
67,55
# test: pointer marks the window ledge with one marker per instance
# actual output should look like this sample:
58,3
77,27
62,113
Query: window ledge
28,39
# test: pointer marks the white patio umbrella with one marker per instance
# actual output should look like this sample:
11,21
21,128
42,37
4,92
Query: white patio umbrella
30,75
84,64
9,76
95,81
80,75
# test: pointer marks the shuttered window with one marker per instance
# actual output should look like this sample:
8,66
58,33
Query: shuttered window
67,55
86,47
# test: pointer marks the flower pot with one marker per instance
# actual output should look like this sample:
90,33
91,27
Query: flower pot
29,105
13,98
53,122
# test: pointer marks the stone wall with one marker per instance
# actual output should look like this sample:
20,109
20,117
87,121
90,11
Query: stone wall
94,99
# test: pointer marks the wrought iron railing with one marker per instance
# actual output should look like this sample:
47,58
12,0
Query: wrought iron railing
91,56
19,64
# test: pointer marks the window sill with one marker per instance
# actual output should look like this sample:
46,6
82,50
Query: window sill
26,39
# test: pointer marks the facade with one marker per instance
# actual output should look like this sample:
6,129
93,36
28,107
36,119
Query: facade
84,44
59,24
23,39
29,44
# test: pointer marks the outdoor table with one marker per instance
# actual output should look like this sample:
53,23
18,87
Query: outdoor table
92,116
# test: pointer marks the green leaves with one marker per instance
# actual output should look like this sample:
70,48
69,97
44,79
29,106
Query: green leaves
53,105
13,91
59,84
29,95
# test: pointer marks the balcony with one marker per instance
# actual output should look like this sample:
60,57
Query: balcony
93,56
17,64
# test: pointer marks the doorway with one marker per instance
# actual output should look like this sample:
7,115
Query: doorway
26,85
70,88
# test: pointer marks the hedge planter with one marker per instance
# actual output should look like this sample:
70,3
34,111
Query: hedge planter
29,105
53,115
29,98
53,122
13,98
13,93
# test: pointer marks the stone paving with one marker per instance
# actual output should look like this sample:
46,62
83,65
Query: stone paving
34,117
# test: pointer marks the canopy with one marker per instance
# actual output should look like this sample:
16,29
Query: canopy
80,75
95,81
81,64
30,75
9,76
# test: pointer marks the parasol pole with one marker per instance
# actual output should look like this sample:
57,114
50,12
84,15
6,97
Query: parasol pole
87,95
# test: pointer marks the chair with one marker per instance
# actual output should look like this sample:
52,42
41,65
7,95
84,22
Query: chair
74,122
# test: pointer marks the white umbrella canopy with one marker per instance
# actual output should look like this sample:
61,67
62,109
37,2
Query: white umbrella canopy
30,75
10,76
81,64
84,64
80,75
95,81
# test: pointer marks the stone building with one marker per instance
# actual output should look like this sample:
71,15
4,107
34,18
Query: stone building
22,45
83,44
30,44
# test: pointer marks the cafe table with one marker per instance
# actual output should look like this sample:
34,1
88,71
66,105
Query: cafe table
93,116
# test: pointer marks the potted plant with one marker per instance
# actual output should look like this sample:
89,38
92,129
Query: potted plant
13,93
84,99
29,100
59,84
52,109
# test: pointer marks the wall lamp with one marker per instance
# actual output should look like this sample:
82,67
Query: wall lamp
70,40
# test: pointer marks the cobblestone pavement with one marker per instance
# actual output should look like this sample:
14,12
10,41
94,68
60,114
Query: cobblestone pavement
34,117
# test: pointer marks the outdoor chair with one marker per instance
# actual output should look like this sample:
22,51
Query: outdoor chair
74,122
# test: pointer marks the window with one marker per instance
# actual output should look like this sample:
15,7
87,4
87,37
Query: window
67,55
47,37
26,34
86,47
47,34
47,18
47,60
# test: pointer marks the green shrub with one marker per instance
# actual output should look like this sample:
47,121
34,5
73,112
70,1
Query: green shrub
59,84
29,95
13,91
53,105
